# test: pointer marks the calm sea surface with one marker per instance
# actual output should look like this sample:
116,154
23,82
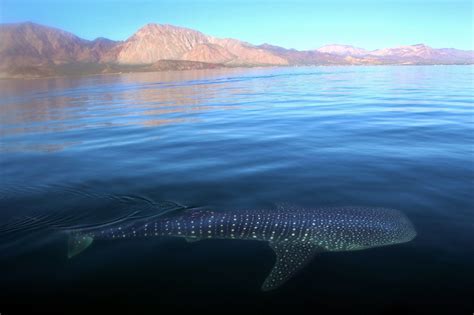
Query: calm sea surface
91,150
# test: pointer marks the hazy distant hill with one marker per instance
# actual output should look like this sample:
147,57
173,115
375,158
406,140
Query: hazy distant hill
29,49
343,50
422,54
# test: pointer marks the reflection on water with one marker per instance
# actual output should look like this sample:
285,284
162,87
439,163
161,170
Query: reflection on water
45,147
61,104
93,150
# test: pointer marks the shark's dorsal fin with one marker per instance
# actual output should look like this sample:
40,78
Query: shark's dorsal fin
290,257
200,212
287,207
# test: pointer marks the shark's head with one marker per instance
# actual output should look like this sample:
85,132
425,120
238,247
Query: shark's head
387,227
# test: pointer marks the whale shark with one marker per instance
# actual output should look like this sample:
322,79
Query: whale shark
296,235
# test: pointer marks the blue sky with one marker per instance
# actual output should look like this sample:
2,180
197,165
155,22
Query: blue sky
293,24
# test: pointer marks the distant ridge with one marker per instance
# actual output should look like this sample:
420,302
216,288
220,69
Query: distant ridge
34,50
343,50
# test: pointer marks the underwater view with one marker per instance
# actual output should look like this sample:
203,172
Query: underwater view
314,189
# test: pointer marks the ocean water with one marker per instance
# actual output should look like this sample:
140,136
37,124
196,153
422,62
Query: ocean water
81,151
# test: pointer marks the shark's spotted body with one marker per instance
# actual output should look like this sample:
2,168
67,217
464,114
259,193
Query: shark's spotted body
295,235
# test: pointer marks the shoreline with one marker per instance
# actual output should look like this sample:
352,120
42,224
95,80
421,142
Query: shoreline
7,78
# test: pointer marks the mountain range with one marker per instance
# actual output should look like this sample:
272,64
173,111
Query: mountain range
34,50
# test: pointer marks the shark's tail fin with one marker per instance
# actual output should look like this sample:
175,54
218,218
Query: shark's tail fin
77,243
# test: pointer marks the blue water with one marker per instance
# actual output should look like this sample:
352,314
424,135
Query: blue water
89,150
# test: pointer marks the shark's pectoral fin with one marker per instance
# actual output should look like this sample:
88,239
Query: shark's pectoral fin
290,257
77,243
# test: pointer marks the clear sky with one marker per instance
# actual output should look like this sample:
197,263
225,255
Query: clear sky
296,24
